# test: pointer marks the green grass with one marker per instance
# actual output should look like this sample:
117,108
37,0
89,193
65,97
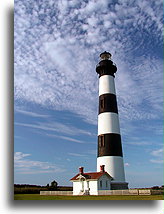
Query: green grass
91,197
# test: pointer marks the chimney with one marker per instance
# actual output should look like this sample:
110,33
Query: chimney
81,171
102,168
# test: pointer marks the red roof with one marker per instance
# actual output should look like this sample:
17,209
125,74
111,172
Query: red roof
91,175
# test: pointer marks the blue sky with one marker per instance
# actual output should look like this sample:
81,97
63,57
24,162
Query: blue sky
57,47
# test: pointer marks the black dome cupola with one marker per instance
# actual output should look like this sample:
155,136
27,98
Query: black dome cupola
105,66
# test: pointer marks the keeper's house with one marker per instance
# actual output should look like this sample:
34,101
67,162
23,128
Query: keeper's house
90,182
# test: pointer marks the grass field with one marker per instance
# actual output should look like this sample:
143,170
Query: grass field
91,197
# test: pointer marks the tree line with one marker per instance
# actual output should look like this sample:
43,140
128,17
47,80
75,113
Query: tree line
35,189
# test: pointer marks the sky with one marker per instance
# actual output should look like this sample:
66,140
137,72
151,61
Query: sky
56,49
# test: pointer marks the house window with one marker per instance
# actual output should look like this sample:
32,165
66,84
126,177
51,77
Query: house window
101,141
106,183
100,184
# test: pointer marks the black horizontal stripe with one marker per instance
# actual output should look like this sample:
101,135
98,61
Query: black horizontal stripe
109,145
108,103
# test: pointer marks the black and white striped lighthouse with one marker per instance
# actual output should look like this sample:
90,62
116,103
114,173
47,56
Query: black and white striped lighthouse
109,138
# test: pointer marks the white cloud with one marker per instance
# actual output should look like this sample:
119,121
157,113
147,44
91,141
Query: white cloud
159,156
158,152
66,138
20,155
76,154
24,165
57,47
156,161
139,143
56,127
127,164
92,152
31,114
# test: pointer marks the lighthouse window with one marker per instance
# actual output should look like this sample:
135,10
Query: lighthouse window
100,183
101,141
102,103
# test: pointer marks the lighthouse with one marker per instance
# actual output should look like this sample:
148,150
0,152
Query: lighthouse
109,139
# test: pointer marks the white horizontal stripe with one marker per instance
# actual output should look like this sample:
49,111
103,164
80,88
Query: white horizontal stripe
108,122
106,85
114,166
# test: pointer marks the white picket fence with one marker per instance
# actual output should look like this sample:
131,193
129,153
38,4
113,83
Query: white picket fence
56,192
103,192
125,192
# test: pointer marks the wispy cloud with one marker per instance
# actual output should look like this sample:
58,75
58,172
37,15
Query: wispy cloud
158,154
156,161
92,152
66,138
76,154
24,165
19,155
56,127
51,73
139,143
31,114
56,48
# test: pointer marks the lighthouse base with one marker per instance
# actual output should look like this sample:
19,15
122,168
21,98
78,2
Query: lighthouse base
119,185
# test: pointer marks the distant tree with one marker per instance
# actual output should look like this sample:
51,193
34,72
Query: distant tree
54,184
162,187
155,187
